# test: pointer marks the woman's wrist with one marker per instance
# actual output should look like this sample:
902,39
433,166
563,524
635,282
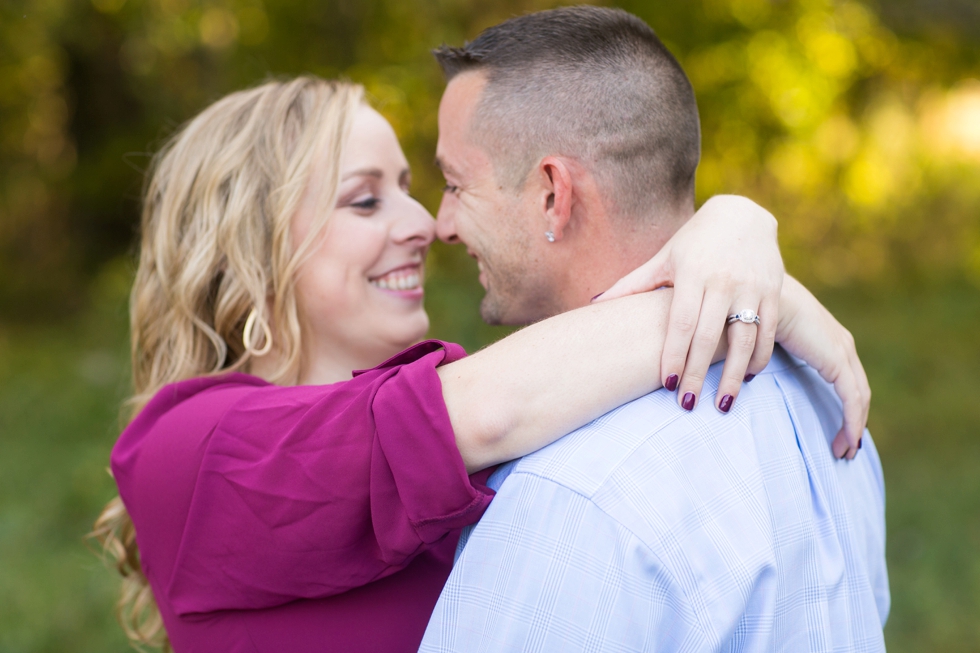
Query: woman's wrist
789,306
792,298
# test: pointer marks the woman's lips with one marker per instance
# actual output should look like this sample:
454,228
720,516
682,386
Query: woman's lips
405,281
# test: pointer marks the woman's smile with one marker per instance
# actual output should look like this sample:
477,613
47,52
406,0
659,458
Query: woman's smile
404,281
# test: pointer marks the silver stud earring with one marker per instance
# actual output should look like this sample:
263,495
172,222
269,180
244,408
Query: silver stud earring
550,235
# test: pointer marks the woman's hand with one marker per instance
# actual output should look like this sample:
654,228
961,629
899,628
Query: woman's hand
808,331
724,260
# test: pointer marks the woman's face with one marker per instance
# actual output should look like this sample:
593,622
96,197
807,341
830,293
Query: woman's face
360,291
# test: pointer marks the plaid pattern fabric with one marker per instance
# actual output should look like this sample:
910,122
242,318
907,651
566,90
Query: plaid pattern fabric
654,529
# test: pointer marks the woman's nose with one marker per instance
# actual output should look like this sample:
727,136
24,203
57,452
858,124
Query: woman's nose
414,225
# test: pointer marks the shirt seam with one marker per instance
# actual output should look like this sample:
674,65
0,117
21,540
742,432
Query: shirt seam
629,454
619,523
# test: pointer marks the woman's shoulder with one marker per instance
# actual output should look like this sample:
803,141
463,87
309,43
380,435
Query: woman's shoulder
183,416
199,397
190,387
186,410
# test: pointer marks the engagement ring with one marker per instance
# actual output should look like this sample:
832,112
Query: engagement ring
747,316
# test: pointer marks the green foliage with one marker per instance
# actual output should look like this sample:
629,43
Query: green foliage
864,140
857,124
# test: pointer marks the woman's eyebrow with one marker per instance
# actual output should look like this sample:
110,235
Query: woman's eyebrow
363,172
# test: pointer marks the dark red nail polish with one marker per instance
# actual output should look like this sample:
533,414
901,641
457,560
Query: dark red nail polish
688,403
725,404
860,440
597,296
671,382
749,377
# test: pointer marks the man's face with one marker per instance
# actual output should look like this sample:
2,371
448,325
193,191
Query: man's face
495,223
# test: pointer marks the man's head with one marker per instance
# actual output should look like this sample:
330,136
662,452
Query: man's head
575,122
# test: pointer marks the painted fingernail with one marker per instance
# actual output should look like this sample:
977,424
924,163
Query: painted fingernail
749,377
860,440
725,404
597,296
688,403
671,382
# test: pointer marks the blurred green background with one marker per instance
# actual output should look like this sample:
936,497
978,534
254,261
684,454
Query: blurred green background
857,124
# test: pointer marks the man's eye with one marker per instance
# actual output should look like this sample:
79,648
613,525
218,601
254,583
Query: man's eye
449,188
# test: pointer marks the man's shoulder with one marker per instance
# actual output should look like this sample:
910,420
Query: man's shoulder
584,459
720,507
654,433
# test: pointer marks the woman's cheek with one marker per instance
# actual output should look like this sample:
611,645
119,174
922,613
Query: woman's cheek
327,294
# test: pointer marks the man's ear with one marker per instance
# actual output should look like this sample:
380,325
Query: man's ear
557,195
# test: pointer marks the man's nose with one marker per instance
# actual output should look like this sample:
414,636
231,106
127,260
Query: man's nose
446,223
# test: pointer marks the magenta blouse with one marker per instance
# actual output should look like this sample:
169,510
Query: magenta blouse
304,518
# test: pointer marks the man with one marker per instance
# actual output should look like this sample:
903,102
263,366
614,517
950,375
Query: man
650,529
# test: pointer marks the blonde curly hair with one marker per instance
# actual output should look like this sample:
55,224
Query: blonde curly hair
215,246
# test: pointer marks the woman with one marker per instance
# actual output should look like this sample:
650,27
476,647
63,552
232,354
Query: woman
279,503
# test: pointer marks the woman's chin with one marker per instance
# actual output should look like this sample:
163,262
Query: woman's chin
416,329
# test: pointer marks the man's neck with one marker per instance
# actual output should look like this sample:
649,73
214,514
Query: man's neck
615,247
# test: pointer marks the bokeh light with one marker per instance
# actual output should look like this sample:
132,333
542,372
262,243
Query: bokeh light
856,122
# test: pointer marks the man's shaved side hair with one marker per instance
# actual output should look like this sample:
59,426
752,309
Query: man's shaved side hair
589,83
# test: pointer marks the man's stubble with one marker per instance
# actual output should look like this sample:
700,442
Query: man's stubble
518,292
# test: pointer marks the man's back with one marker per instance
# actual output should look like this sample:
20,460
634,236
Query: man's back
654,529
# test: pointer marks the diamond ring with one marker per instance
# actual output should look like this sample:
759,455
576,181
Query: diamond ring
748,316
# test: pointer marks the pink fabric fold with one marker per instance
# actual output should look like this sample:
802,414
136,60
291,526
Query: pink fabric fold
250,496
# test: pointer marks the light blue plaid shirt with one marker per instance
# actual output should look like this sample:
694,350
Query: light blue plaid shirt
654,529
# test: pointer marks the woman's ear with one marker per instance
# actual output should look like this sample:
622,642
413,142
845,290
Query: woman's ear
556,180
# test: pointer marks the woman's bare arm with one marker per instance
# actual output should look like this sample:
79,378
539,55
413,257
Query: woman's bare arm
529,389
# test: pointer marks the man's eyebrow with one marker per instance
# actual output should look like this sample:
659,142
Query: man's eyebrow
363,172
442,165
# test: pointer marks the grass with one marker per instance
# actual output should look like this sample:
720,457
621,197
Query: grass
922,354
60,389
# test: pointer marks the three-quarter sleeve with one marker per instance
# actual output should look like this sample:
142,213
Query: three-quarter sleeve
309,491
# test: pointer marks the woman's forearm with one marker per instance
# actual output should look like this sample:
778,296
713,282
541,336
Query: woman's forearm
529,389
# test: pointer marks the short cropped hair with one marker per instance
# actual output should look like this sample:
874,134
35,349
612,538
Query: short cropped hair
591,83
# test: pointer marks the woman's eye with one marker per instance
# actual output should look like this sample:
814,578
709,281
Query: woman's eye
449,188
367,204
